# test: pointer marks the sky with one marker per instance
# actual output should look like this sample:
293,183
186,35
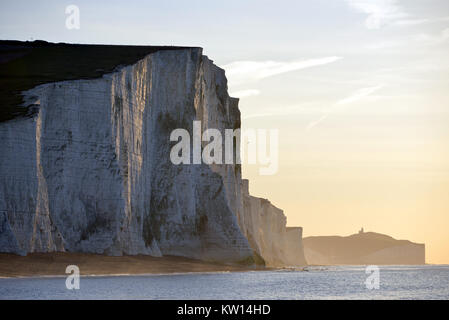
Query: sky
358,89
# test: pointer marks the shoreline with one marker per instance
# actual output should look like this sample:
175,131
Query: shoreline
54,265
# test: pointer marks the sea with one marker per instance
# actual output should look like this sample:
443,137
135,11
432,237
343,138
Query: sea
339,282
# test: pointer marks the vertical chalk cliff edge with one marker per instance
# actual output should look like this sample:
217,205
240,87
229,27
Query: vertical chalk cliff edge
90,171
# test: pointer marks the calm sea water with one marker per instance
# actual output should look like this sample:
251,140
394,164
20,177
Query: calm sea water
396,282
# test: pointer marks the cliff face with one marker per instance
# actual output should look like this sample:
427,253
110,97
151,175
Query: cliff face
85,167
363,248
90,171
264,225
295,247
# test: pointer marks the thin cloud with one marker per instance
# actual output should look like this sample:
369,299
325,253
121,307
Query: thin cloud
314,123
309,108
242,72
422,39
433,39
245,93
359,94
413,22
356,96
380,12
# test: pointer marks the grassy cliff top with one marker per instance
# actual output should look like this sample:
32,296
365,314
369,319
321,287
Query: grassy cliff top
25,65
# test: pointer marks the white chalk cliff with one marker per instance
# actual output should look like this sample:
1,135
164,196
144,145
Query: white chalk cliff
264,226
91,172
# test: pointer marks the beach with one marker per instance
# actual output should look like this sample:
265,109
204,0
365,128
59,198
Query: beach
55,264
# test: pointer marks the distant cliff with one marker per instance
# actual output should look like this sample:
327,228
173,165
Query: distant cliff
362,248
85,163
264,225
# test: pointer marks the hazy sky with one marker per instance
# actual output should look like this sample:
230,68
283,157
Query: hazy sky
359,90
